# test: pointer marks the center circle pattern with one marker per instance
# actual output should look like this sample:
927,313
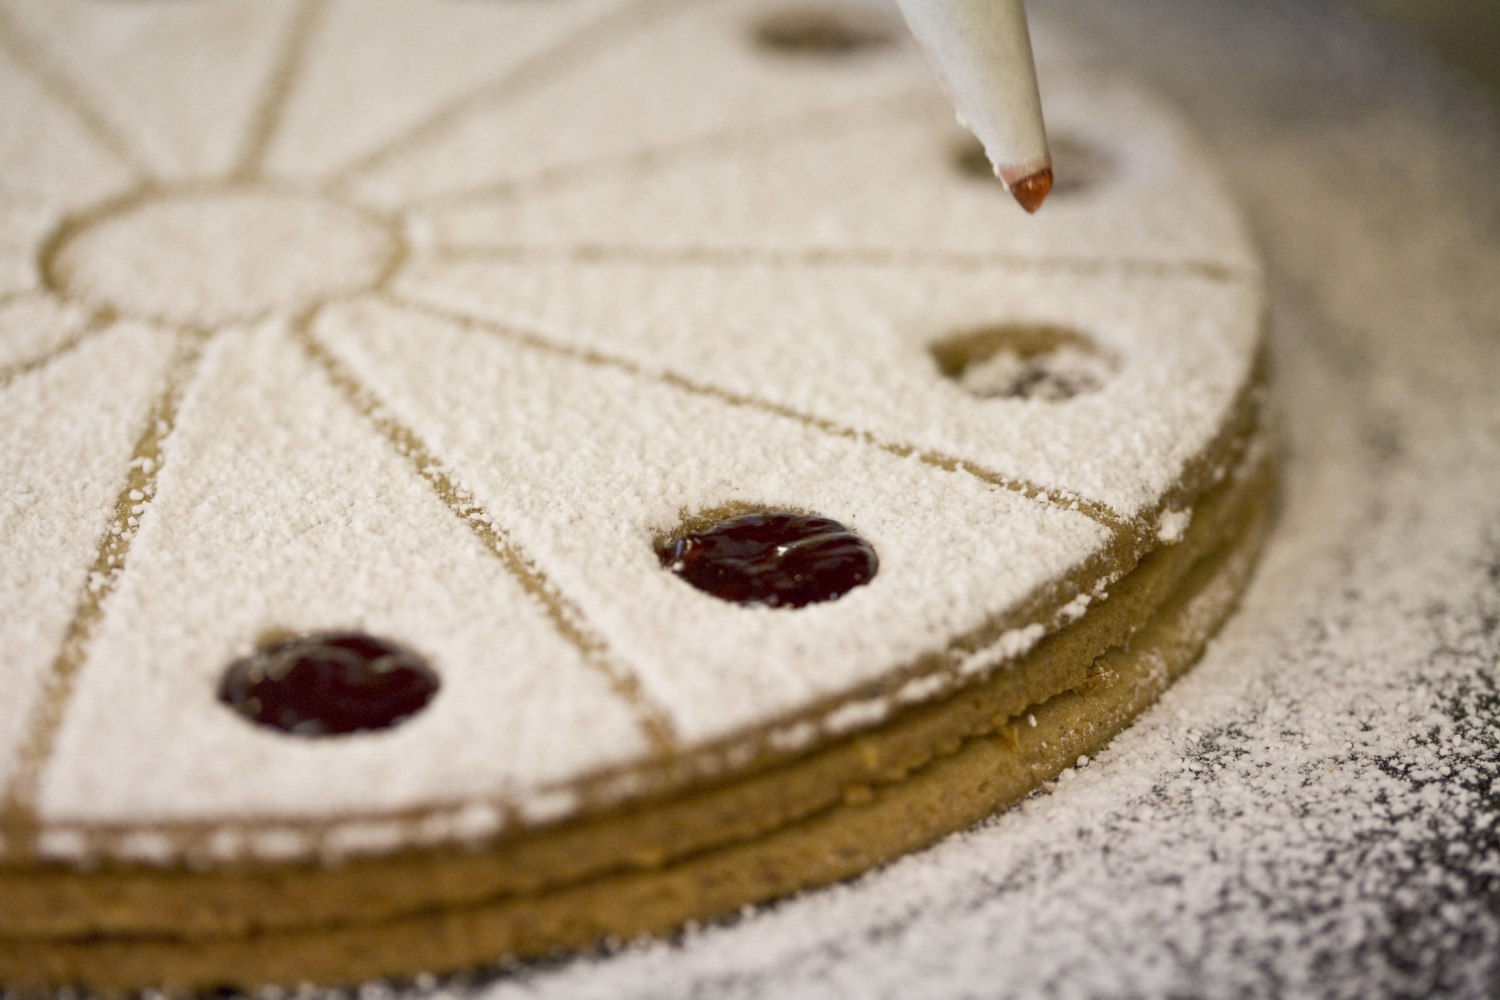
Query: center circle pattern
211,257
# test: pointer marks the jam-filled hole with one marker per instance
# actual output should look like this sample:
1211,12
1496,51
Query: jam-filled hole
774,559
1077,166
825,31
328,684
1024,361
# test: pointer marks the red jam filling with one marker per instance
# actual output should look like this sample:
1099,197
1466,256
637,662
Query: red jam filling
773,559
329,684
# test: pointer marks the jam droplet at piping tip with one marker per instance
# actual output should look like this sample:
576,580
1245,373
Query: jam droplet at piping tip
1030,191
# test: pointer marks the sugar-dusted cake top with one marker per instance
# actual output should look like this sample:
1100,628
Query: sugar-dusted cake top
434,322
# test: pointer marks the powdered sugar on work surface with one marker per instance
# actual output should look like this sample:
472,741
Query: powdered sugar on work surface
1311,812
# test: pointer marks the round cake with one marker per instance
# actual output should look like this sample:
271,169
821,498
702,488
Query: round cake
491,476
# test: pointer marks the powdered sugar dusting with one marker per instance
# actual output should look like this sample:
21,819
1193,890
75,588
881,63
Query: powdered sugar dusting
335,534
856,715
1173,524
1012,643
377,68
476,456
841,341
697,77
31,326
65,447
185,110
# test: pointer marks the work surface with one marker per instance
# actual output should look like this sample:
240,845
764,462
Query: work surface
1309,812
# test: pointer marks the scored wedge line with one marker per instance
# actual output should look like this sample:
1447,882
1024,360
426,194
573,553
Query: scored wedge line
559,56
100,321
280,84
1093,510
566,617
840,257
18,814
61,87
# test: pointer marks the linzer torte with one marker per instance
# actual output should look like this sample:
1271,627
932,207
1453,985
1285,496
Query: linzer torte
485,477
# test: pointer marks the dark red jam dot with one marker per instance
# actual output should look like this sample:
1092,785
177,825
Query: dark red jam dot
775,559
327,684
